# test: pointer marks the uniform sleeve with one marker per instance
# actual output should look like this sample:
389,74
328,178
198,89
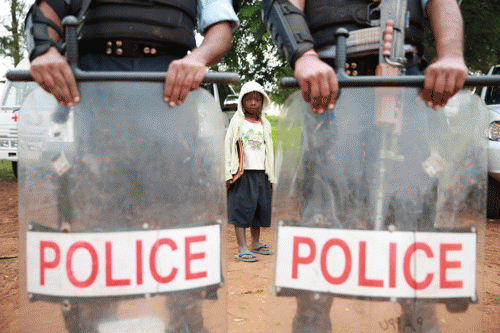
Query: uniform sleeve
215,11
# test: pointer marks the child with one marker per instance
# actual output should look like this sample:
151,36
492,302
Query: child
250,170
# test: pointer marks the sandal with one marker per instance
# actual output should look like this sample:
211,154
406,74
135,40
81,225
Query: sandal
240,257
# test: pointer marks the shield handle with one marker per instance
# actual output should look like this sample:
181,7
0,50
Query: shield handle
365,81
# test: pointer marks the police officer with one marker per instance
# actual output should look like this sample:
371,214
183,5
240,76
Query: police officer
300,29
443,78
131,35
127,35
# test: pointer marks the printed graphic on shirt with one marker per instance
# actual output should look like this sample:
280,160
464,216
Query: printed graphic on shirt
253,139
254,149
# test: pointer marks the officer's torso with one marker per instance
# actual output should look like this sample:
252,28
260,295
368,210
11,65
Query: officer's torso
170,22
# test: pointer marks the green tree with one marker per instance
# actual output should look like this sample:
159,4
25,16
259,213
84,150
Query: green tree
254,56
482,33
12,45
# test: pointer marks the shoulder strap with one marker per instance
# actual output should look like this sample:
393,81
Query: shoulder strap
83,10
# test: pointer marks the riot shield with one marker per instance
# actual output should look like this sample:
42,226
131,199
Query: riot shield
379,215
122,212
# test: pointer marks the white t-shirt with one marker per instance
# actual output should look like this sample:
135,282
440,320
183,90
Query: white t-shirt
254,149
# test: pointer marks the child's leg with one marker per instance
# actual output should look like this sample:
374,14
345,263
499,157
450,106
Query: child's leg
242,242
262,216
255,233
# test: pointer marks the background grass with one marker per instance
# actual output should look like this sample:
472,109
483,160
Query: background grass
6,173
274,124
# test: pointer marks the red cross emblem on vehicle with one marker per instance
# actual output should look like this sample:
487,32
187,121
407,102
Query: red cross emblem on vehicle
15,117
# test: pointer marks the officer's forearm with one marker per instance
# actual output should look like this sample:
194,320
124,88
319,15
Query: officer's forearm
215,45
300,4
447,26
49,13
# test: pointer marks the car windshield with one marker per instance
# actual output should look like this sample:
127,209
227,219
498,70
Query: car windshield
15,94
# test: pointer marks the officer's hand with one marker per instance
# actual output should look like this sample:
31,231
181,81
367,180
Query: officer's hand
443,79
183,76
52,72
318,82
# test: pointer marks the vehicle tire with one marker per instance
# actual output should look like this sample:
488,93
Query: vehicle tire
14,168
493,200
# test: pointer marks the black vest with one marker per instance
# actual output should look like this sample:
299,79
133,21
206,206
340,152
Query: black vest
326,16
169,22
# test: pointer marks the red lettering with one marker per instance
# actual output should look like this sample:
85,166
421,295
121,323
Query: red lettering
363,281
444,265
110,282
407,263
392,265
152,260
348,261
138,258
94,266
193,256
296,260
48,264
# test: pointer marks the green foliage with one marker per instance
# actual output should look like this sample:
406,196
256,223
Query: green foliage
12,45
274,127
254,56
482,33
6,173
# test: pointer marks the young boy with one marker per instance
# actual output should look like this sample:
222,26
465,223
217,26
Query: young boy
250,170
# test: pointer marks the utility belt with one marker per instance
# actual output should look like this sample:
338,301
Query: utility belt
127,48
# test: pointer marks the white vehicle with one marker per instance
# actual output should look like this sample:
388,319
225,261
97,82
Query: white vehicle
230,106
491,97
220,93
11,100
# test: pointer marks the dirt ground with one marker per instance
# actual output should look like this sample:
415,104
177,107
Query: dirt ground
248,283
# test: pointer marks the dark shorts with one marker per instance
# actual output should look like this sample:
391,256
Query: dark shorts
249,200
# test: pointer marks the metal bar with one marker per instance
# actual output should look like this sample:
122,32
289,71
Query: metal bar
396,81
84,76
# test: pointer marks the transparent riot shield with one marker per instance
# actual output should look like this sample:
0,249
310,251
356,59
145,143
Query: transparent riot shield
379,214
122,212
